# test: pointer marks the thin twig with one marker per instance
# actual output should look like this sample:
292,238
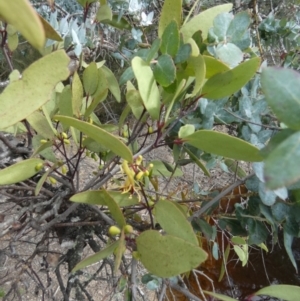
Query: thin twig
219,197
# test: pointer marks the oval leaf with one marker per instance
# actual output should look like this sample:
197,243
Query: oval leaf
90,78
281,291
170,39
280,168
226,83
282,89
27,22
147,86
164,70
203,21
101,136
224,145
19,172
167,256
171,11
174,222
214,66
34,89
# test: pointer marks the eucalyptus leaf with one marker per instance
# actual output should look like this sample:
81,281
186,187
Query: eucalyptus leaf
280,168
282,89
203,21
170,39
164,70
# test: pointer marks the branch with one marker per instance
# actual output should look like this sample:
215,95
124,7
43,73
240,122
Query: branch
219,197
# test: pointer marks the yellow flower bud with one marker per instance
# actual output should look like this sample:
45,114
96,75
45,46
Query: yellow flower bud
66,141
150,130
128,229
114,230
140,175
39,166
64,135
52,180
64,170
43,141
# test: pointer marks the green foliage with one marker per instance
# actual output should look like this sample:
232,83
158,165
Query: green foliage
33,90
20,171
28,23
166,255
197,74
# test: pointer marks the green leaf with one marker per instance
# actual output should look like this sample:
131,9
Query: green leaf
174,222
108,140
100,94
219,296
135,102
230,54
119,251
282,90
28,22
164,70
50,32
183,53
224,145
224,84
96,257
171,11
167,256
235,168
198,65
186,130
203,21
214,66
120,24
104,13
147,86
170,39
160,169
238,31
153,51
101,197
98,197
197,161
281,291
113,84
221,23
90,78
288,241
126,76
19,172
34,89
77,95
280,168
65,102
40,124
